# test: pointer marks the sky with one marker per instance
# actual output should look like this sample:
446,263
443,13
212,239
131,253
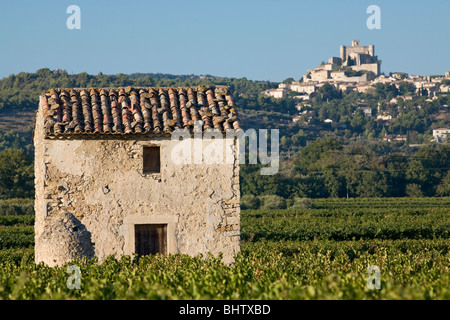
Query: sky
258,39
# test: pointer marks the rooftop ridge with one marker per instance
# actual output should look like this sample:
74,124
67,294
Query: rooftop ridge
137,110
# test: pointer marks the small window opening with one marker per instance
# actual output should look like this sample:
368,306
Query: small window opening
150,239
152,162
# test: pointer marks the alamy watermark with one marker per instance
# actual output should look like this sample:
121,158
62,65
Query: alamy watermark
220,148
374,20
374,280
74,280
74,20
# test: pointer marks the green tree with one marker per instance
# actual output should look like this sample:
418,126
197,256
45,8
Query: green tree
373,184
316,150
358,121
300,138
443,189
396,165
328,92
406,88
16,174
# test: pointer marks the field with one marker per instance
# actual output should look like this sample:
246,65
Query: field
319,252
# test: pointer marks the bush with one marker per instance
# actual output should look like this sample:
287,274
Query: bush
17,255
11,220
16,237
16,207
249,201
414,190
302,203
273,201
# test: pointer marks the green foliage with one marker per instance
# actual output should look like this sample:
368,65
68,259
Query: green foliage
443,189
16,237
249,201
413,120
406,238
17,256
27,220
385,91
301,204
406,88
16,174
17,207
409,269
328,92
288,80
269,202
22,90
342,225
414,190
17,140
302,173
328,168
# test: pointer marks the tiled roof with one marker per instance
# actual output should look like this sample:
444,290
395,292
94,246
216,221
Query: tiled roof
138,110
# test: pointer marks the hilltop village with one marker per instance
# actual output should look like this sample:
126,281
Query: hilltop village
358,69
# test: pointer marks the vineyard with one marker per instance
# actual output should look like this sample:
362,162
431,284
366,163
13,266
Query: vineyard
320,252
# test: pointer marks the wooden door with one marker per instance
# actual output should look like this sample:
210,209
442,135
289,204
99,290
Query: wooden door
150,239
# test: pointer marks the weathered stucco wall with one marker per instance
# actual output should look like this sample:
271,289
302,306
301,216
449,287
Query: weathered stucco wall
90,192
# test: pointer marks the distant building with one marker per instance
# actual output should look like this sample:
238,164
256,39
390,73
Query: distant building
358,69
364,87
296,118
399,75
360,59
302,87
384,117
393,137
366,110
444,88
278,93
441,134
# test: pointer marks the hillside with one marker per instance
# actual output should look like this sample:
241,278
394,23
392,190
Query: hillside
329,147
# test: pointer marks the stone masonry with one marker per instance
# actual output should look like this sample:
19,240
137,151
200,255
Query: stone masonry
91,191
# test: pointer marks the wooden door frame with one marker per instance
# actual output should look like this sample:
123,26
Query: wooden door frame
130,221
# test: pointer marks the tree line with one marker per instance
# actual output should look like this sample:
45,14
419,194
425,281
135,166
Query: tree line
329,168
345,158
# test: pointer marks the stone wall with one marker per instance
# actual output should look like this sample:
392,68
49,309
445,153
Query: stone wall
372,67
320,75
89,192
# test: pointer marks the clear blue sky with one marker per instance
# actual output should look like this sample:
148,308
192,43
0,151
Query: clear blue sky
258,39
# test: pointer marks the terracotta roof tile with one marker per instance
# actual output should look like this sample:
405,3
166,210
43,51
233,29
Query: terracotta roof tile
140,110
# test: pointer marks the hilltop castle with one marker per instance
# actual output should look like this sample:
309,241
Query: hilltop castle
357,69
355,64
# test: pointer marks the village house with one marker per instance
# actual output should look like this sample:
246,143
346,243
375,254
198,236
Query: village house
384,117
441,134
394,137
278,93
108,181
366,110
363,87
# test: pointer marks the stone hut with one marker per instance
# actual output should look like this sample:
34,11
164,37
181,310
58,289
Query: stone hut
109,180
